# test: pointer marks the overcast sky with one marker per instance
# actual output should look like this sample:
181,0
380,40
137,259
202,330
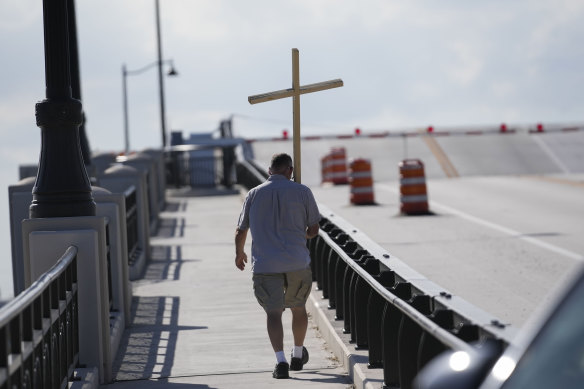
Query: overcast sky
405,64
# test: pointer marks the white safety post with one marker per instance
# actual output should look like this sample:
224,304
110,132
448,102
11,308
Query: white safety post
295,93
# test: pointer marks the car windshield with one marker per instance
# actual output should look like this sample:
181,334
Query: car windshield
555,359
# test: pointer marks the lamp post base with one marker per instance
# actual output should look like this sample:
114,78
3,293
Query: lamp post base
62,187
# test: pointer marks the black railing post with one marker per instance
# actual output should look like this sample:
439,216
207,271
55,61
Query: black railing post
62,187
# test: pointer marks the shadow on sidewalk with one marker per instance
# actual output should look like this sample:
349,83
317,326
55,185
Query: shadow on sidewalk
159,384
318,376
165,264
148,346
175,206
173,227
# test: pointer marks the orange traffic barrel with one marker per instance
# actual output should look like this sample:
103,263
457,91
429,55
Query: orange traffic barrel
325,170
338,166
361,182
413,196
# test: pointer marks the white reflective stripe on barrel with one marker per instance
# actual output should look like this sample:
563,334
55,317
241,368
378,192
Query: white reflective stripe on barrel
364,189
335,163
361,174
337,175
412,181
414,199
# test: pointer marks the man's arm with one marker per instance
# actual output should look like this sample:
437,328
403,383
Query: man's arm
240,255
312,231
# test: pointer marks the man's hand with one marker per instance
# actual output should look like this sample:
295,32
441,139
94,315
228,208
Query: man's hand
312,231
240,260
240,255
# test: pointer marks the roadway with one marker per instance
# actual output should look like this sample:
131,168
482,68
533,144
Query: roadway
502,240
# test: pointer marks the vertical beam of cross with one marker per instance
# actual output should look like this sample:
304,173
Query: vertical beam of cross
295,93
296,115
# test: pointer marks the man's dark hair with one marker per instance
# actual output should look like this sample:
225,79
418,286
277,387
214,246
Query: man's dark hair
280,162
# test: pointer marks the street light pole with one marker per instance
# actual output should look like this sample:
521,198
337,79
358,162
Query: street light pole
76,78
125,74
125,95
62,187
160,78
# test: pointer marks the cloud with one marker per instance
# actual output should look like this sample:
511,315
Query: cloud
555,21
466,64
403,63
19,15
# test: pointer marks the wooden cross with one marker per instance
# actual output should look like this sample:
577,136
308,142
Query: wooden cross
295,93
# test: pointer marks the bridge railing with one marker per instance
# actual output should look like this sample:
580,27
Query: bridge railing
39,341
400,317
201,165
249,174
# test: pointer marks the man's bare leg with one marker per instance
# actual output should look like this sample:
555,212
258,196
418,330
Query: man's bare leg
299,324
276,330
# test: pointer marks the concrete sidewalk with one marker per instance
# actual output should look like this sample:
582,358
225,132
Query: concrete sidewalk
196,323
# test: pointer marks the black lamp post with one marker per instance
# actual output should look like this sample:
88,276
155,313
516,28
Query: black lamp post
62,187
160,78
76,78
125,74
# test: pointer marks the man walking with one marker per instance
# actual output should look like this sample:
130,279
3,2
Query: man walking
281,215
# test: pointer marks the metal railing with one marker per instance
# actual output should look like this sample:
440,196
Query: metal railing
249,174
401,318
198,166
39,337
132,225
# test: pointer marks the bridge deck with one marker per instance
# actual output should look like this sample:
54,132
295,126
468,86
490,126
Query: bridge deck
501,243
195,320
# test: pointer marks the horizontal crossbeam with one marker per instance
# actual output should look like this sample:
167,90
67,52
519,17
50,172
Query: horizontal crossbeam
280,94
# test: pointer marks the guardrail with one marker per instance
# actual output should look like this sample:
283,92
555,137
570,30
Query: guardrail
39,341
249,174
402,318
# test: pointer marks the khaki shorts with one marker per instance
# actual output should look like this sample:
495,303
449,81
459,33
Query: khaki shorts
276,291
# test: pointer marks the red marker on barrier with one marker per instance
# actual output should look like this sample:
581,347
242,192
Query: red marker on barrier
539,127
503,127
285,134
357,131
430,129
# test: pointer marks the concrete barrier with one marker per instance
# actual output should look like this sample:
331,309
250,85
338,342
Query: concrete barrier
113,207
44,240
146,164
160,162
118,179
103,161
19,198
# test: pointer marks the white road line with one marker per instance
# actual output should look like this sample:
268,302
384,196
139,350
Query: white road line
497,227
551,154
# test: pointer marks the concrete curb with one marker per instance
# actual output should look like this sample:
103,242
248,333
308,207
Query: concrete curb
85,378
355,361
